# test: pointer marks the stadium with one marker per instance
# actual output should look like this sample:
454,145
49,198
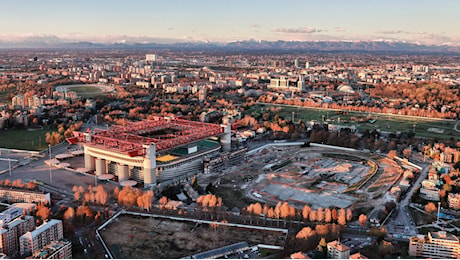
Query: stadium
152,151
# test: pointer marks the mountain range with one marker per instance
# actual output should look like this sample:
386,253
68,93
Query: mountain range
250,45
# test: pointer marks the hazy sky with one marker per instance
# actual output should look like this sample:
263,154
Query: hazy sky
425,21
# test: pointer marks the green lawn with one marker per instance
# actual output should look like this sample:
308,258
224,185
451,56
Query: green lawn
389,123
87,91
33,140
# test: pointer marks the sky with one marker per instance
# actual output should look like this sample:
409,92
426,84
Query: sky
106,21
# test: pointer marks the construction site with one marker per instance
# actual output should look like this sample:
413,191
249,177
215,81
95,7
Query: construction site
137,235
318,176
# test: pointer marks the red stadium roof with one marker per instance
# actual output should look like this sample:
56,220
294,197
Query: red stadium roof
129,139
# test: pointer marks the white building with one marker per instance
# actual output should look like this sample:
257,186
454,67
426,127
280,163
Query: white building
18,102
337,250
454,200
150,57
435,245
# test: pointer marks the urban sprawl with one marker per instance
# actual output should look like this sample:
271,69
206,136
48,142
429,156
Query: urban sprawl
112,153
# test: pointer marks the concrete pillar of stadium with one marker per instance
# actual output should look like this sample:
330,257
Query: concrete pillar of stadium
89,160
123,172
100,166
150,165
226,138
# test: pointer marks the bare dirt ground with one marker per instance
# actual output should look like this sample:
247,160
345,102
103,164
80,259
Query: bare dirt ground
142,237
316,176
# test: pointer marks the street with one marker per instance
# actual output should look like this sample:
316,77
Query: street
403,223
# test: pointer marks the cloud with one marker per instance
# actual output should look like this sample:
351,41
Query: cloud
254,25
436,37
401,32
296,30
391,32
339,29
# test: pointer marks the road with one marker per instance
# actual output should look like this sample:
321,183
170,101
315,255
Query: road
59,181
403,222
456,126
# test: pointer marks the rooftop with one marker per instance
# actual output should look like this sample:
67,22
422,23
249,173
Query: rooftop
41,228
358,256
51,248
337,245
221,251
166,133
443,235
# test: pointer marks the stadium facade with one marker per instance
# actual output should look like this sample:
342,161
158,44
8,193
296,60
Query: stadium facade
153,151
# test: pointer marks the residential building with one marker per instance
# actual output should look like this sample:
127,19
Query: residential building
35,101
358,256
150,57
435,245
454,200
60,249
13,225
300,255
337,250
18,102
35,240
17,195
9,214
429,191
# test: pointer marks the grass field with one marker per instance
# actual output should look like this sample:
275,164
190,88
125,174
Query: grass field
33,140
389,123
86,91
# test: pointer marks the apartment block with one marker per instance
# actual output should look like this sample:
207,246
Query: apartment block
435,245
35,240
61,249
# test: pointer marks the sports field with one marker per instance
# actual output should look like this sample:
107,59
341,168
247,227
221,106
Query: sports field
424,127
32,140
86,91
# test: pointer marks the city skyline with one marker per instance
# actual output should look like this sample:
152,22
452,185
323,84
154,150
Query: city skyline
425,22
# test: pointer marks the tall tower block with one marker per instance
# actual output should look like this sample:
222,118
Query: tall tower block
226,138
150,165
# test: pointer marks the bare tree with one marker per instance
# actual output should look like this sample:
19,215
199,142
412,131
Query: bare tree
362,220
430,207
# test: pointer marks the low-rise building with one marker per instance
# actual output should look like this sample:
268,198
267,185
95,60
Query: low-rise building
358,256
337,250
17,195
429,191
454,200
